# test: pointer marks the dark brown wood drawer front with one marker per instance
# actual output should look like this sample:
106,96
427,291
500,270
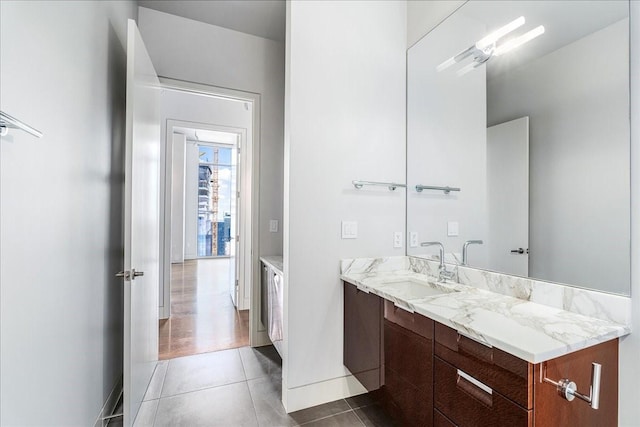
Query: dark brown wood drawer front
408,373
503,372
467,404
440,420
414,322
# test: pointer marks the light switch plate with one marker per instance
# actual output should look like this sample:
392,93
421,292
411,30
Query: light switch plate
452,228
273,226
397,239
349,229
413,239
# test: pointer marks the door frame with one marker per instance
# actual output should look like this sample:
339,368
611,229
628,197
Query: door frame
251,239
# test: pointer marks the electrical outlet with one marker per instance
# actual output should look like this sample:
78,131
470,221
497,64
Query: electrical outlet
397,239
413,239
273,225
349,230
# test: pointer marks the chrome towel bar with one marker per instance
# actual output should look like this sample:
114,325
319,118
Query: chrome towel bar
391,185
6,122
446,190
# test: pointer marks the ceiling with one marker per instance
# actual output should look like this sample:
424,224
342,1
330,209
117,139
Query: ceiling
262,18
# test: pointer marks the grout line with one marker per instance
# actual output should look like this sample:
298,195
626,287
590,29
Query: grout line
329,416
155,415
253,402
202,389
358,417
244,370
164,378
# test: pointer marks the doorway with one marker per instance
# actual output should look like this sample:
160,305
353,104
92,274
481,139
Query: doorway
205,208
208,271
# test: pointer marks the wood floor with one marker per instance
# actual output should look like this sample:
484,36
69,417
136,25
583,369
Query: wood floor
203,318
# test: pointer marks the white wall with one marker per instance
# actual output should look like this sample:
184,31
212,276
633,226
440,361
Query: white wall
178,172
578,108
345,120
63,68
446,141
630,346
188,50
422,16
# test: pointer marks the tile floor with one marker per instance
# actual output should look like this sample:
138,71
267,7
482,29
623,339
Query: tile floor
239,387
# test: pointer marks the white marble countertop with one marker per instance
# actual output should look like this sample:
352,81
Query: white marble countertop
275,261
528,330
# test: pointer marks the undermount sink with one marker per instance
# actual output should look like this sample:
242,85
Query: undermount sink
414,289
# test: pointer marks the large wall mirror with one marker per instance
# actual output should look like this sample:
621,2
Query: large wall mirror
519,136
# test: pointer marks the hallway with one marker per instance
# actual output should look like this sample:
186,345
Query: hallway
203,318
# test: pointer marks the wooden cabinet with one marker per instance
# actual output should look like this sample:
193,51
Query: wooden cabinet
407,394
477,385
427,374
506,374
363,353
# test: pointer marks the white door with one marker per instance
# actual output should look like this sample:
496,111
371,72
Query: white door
234,230
141,224
508,197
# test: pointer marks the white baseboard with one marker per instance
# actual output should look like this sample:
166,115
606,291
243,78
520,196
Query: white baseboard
295,399
110,404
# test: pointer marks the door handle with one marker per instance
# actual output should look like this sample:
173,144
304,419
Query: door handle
124,274
517,251
129,275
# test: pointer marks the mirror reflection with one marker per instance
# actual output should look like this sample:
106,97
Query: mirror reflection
518,140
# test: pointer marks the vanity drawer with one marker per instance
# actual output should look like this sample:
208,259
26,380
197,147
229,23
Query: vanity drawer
440,420
468,404
414,322
503,372
408,356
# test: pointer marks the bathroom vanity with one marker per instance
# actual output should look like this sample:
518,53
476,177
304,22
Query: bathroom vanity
448,354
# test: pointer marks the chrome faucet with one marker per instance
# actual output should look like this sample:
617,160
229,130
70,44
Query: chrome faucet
443,273
465,246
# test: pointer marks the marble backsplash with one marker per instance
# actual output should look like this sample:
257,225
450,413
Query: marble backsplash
600,305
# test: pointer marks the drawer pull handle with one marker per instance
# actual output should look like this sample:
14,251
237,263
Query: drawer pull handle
475,388
568,389
403,308
475,348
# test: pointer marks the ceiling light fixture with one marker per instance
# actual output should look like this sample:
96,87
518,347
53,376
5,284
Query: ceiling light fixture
499,33
518,41
485,48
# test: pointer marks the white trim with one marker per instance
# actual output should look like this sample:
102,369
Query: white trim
257,338
295,399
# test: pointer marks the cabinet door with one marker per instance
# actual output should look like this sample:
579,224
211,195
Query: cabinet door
408,374
363,336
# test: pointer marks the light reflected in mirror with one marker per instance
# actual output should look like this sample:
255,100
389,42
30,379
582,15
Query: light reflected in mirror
524,106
